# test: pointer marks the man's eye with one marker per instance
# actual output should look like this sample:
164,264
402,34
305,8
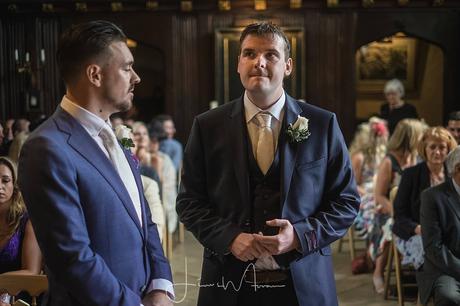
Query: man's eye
272,56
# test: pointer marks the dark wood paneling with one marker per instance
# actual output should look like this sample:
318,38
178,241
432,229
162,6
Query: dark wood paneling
185,99
187,42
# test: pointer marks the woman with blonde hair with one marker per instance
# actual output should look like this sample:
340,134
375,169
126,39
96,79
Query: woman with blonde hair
433,148
367,151
401,154
19,251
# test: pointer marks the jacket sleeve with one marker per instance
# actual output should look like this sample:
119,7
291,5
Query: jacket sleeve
404,225
48,181
193,206
436,250
340,202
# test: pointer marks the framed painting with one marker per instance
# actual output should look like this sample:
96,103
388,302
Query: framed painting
227,80
378,62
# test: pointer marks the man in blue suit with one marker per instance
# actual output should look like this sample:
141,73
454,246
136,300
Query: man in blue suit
82,188
267,186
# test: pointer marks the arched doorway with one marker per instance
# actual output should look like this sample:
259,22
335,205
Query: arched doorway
418,63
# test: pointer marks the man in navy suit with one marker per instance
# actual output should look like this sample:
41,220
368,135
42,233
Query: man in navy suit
82,188
267,186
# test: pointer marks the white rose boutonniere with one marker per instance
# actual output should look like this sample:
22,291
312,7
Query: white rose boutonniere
298,131
123,134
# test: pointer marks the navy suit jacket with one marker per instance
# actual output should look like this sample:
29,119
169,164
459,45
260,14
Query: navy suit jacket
96,252
319,197
440,220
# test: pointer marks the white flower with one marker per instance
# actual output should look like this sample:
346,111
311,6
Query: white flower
123,134
301,124
122,131
298,131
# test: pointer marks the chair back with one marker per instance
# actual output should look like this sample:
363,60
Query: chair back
32,284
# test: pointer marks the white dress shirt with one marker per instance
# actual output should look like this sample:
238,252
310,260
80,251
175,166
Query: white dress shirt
93,125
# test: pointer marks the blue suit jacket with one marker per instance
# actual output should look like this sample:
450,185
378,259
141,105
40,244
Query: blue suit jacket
95,250
319,197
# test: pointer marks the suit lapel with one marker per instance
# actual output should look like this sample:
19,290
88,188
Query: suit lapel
238,149
85,145
289,150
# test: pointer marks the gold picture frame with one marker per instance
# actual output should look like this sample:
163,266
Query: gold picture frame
378,62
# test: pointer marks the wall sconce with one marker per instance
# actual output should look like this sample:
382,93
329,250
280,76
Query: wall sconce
225,5
332,3
151,5
260,5
81,7
295,4
186,6
131,43
116,6
367,3
47,7
12,8
26,66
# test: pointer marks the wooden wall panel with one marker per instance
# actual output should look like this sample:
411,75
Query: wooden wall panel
187,42
185,98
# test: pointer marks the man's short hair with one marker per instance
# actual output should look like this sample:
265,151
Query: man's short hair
264,29
83,42
454,116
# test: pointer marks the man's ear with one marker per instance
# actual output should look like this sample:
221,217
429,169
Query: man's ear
289,67
94,74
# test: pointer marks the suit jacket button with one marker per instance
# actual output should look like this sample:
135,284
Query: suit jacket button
142,289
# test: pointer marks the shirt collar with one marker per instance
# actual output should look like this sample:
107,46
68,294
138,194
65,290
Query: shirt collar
251,110
92,123
457,188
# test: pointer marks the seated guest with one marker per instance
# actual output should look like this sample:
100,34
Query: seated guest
19,251
367,151
402,153
440,221
141,151
152,195
453,125
168,144
433,148
7,137
147,150
396,109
